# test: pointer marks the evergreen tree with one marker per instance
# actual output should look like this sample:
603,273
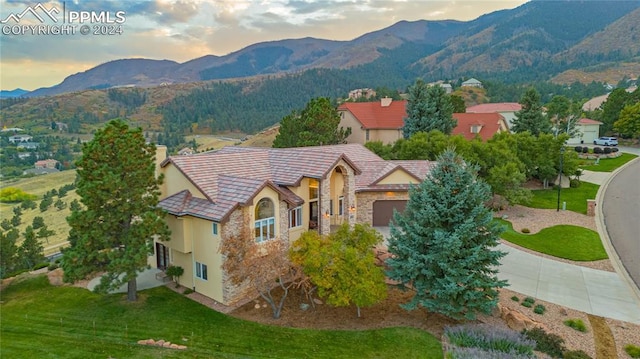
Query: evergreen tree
316,125
8,249
30,251
443,243
114,231
428,108
531,118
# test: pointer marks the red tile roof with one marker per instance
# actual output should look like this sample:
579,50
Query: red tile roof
489,122
495,107
372,115
588,121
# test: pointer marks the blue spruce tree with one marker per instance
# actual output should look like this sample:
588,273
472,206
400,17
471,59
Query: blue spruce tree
443,244
428,108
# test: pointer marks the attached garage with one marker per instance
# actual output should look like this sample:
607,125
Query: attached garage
383,211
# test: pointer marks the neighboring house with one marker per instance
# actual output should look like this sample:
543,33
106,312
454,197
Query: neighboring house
447,88
40,171
20,138
48,163
483,125
373,121
506,109
383,121
186,151
587,131
28,145
269,194
362,93
472,83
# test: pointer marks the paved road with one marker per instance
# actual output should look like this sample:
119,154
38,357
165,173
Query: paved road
621,208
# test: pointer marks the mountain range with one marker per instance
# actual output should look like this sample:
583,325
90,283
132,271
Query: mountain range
536,41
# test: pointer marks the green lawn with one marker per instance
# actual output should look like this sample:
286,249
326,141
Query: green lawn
607,164
576,198
563,241
42,321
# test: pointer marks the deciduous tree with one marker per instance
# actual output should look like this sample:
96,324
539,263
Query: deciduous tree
114,231
628,124
428,108
443,244
317,124
342,265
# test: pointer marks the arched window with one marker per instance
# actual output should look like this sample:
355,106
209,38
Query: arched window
265,225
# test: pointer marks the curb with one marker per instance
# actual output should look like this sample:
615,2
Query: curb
604,235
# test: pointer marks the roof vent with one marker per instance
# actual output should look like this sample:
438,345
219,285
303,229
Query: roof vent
386,101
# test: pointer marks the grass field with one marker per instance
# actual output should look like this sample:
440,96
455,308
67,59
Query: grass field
576,198
54,219
42,321
563,241
607,164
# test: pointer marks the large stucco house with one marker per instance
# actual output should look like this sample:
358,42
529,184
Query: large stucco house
506,109
274,194
383,121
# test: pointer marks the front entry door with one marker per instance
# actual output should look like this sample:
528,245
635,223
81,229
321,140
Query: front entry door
162,256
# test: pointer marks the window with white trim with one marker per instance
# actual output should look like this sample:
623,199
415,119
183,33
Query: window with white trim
295,217
265,224
201,271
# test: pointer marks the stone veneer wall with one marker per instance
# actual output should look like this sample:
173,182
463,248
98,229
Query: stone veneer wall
364,212
234,294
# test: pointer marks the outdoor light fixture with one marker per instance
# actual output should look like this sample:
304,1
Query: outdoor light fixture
560,176
326,214
352,208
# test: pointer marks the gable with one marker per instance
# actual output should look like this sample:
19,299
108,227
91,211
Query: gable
397,176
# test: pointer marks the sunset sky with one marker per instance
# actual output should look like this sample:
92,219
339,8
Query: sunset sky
186,29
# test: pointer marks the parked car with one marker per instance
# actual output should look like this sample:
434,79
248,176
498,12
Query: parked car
606,141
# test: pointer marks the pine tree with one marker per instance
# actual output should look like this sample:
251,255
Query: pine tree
428,108
531,118
316,125
443,243
30,251
8,249
114,231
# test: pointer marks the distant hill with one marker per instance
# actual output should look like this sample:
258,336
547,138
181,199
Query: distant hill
13,93
537,40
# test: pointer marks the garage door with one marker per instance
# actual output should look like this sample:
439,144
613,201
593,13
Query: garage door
383,211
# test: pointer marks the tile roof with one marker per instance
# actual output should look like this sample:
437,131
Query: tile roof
372,115
495,107
588,121
489,122
233,175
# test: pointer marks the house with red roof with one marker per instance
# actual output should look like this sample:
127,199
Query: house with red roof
506,109
383,121
273,193
587,130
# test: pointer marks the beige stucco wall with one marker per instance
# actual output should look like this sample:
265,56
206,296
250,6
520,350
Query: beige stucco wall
398,177
181,233
175,181
386,136
205,251
586,133
365,203
357,133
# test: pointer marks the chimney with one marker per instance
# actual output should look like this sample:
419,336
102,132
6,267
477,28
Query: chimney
385,102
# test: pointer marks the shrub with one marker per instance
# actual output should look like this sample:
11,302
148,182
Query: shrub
41,265
515,298
489,338
526,230
615,149
576,354
632,350
585,149
539,309
528,302
187,291
547,343
597,150
14,195
607,150
576,324
578,149
478,353
574,183
52,266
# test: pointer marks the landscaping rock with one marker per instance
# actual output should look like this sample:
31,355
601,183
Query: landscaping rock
518,321
162,343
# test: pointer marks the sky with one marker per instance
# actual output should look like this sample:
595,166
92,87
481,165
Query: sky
40,48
